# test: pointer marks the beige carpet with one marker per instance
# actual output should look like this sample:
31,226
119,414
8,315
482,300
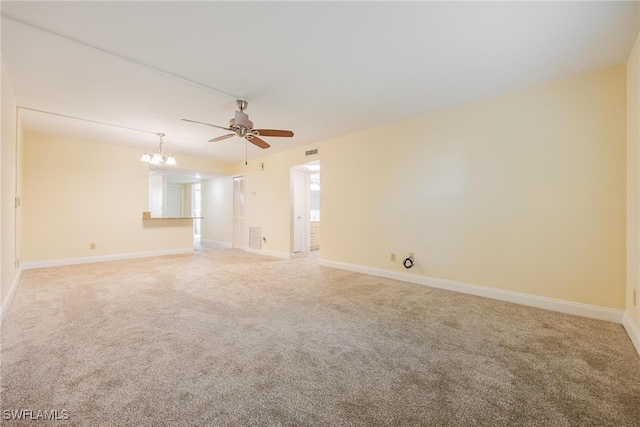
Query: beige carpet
227,338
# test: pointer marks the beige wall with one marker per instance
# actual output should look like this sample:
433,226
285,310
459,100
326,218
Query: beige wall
78,192
156,194
524,192
208,166
268,196
10,170
633,183
217,209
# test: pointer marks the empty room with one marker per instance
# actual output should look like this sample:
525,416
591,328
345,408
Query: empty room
320,213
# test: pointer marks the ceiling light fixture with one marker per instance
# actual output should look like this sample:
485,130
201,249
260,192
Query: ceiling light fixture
159,157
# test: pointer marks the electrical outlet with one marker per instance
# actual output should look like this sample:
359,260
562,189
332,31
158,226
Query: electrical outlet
393,257
17,262
92,245
634,297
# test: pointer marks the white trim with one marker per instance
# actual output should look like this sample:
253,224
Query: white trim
632,330
9,297
562,306
102,258
268,253
216,243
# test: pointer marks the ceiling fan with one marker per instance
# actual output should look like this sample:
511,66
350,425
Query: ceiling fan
241,126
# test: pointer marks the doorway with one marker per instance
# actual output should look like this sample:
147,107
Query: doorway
305,207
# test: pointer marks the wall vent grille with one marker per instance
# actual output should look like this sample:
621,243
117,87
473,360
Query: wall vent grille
311,152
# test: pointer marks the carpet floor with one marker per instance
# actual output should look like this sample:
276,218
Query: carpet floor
228,338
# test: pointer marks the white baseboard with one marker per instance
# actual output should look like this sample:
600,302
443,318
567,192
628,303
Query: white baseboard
6,302
268,253
562,306
103,258
632,330
216,243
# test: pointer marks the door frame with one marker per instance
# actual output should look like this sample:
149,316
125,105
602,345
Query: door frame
305,169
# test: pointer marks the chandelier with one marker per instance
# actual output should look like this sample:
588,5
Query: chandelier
159,157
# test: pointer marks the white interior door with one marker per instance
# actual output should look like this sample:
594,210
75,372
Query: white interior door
238,212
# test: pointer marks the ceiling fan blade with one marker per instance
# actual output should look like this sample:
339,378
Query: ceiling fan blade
274,132
220,138
257,141
208,124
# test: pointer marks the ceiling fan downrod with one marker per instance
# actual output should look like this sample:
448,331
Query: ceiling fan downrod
242,104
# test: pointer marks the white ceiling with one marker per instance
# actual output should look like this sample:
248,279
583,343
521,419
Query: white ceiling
321,69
